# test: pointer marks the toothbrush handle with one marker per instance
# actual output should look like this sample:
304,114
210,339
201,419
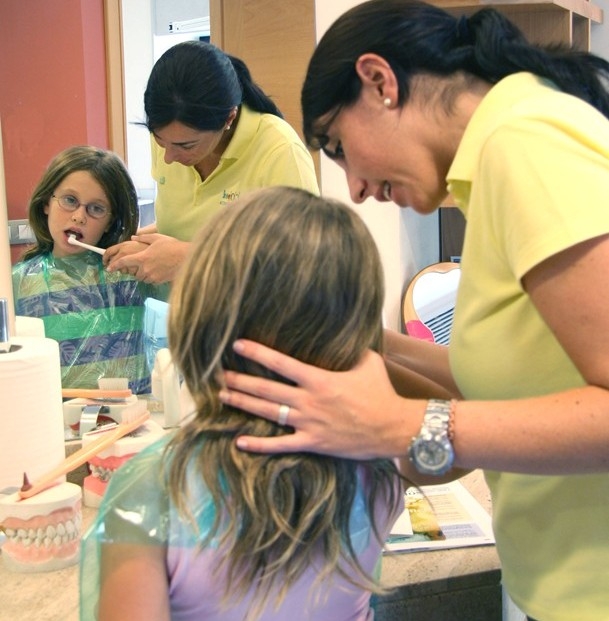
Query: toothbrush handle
84,454
75,242
96,249
90,247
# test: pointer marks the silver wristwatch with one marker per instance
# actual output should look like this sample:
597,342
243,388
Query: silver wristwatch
431,451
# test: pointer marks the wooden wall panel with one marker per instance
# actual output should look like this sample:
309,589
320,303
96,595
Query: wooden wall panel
275,38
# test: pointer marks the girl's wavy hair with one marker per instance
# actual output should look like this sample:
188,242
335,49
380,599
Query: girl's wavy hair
416,38
109,171
197,84
302,275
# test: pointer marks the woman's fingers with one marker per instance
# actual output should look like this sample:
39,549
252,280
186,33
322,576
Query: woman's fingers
284,365
290,443
354,414
241,391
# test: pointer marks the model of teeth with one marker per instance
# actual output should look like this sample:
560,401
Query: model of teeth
42,532
104,464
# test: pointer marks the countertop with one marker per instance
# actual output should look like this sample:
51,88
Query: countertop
402,568
48,596
53,596
459,584
456,584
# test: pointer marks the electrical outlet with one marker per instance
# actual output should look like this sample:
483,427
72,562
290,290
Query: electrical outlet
19,232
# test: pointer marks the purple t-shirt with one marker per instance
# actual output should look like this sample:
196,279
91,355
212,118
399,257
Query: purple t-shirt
135,509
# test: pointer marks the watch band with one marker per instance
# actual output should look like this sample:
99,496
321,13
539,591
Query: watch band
445,410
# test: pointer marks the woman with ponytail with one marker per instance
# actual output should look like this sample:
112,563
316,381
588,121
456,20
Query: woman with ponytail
414,103
215,135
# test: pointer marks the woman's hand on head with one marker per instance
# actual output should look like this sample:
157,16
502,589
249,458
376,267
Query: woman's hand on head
154,258
353,414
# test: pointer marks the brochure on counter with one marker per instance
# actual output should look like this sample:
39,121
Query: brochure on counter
440,517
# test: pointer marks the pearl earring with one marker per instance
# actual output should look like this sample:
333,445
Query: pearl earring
387,102
227,128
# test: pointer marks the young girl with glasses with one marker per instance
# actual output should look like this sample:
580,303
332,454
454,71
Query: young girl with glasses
97,317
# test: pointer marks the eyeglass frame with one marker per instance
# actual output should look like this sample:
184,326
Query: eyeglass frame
78,204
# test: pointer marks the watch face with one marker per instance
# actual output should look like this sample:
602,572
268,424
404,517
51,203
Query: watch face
432,456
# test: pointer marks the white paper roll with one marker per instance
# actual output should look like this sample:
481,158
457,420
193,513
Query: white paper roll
29,326
31,414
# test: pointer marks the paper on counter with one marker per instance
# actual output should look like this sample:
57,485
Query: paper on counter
456,520
403,526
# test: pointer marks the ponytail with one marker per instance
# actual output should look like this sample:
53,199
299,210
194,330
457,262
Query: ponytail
253,96
498,49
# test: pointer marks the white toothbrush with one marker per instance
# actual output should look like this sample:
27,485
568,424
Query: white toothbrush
72,240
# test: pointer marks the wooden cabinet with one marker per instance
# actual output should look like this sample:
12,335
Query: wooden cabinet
276,39
544,22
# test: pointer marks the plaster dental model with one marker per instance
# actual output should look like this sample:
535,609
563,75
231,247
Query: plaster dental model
105,463
42,533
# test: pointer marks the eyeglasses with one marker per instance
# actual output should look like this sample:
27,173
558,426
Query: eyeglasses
70,203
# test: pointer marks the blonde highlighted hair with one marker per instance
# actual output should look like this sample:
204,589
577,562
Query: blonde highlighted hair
302,275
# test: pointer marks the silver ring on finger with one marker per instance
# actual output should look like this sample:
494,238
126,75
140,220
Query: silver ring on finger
284,411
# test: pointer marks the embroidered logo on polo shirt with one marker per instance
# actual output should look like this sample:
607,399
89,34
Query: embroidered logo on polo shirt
228,197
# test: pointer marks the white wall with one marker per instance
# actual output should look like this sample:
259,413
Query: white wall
406,240
138,59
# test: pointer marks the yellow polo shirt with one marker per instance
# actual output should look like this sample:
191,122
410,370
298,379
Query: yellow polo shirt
264,151
531,176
